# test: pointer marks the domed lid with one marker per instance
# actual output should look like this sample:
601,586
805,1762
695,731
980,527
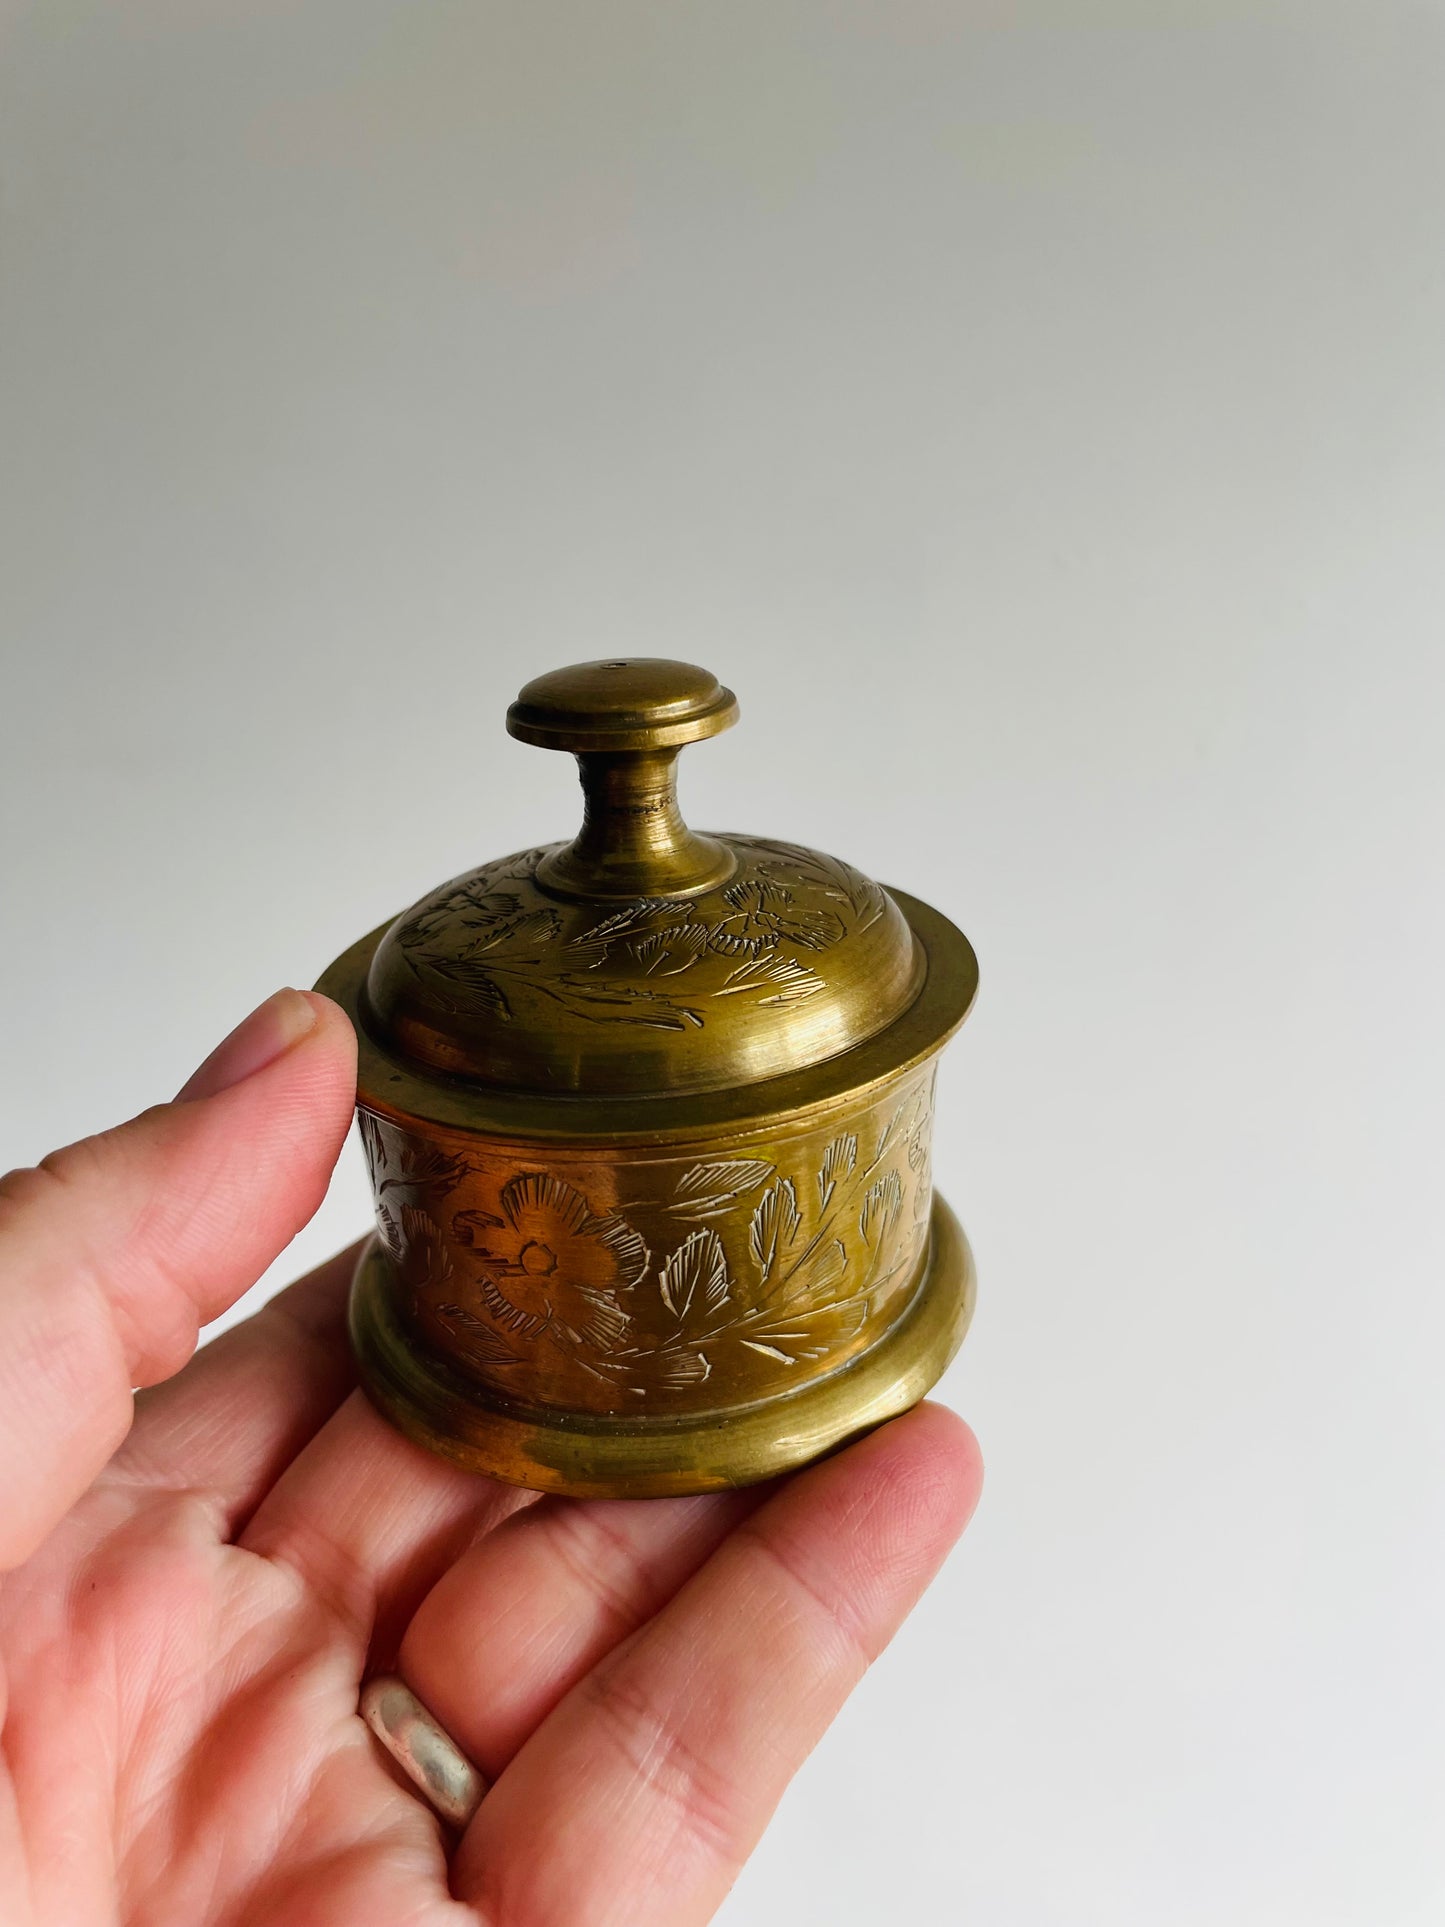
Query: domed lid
642,960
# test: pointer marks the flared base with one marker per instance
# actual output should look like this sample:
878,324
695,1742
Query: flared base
635,1457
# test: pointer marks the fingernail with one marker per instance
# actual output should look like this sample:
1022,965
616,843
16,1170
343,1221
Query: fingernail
270,1030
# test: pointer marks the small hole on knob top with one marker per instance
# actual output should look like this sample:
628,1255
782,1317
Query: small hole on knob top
614,665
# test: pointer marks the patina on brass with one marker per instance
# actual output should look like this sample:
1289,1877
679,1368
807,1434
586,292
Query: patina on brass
649,1120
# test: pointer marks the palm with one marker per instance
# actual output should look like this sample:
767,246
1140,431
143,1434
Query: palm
183,1650
242,1787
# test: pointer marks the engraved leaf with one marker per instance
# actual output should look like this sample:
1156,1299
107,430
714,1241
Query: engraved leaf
729,944
372,1142
890,1131
818,1275
644,910
650,947
492,904
627,1246
524,863
808,1334
775,1225
709,1188
480,1341
478,979
681,1368
785,979
540,925
668,952
814,929
757,894
630,1003
389,1231
829,874
522,927
597,1319
420,1167
880,1208
922,1199
694,1282
425,1258
838,1162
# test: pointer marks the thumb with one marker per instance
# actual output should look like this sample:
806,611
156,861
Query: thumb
115,1251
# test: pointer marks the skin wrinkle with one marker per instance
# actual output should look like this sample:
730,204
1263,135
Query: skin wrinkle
352,1602
222,1737
253,1571
711,1805
140,1479
306,1324
168,1219
34,1191
840,1618
158,1227
430,1535
210,1657
10,1812
84,1358
218,1737
75,1170
10,1795
428,1565
412,1827
569,1533
410,1514
137,1467
112,1617
665,1541
84,1673
271,1902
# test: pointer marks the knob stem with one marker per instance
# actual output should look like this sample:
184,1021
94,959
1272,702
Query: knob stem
625,722
633,841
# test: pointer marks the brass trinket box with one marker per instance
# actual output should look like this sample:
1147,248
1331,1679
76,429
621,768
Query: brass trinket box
649,1119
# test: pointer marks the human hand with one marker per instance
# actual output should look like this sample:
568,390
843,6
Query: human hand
197,1580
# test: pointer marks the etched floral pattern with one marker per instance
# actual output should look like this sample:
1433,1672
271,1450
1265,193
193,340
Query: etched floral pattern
547,1263
769,1265
654,962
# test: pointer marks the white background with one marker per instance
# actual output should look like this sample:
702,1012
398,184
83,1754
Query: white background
1035,412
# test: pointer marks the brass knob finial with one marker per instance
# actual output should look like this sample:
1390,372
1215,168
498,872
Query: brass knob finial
625,719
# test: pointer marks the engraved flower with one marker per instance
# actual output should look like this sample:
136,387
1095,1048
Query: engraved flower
551,1265
499,916
762,913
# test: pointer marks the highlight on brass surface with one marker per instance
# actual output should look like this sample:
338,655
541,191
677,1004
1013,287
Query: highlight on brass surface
648,1116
